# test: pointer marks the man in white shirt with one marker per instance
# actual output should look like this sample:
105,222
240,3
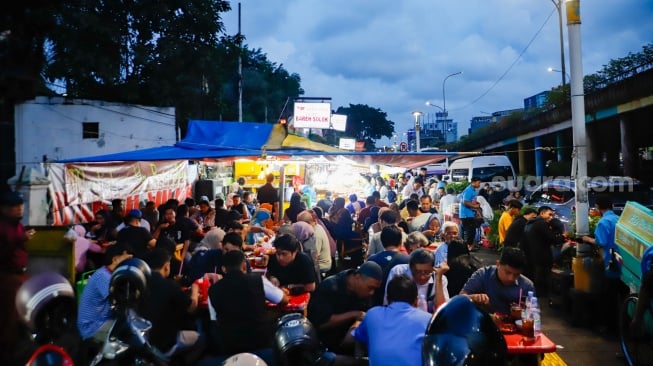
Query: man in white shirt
431,282
447,204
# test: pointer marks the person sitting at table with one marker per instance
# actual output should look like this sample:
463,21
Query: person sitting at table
341,221
322,245
399,324
257,229
340,302
391,237
496,286
207,256
163,304
290,266
449,232
431,281
414,241
237,306
462,264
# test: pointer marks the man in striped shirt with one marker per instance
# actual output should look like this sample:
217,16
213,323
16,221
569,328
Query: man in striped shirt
94,312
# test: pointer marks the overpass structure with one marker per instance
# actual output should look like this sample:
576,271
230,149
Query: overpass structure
619,126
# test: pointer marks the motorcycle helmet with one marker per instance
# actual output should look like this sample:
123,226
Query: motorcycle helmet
128,283
46,304
244,359
461,334
296,343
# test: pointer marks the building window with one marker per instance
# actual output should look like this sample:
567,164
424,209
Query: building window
90,130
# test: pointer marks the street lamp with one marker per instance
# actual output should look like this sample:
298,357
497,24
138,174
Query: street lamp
417,114
558,5
551,69
441,122
444,103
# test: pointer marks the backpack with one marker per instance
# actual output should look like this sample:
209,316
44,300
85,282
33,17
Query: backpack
392,196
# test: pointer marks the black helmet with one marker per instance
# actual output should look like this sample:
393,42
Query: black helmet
461,334
296,343
46,303
129,282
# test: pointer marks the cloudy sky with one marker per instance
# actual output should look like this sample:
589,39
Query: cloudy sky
394,54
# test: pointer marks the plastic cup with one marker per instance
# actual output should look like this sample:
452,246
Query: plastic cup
515,311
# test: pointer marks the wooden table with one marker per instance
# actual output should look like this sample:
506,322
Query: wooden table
520,348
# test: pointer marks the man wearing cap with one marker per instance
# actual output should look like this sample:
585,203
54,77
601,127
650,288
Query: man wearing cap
339,303
135,235
13,264
514,207
468,207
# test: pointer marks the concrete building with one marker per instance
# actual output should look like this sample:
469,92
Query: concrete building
54,128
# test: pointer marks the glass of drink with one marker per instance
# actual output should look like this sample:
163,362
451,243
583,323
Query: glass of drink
528,329
515,311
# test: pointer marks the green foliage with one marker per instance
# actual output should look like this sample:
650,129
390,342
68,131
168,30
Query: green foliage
493,235
458,187
364,123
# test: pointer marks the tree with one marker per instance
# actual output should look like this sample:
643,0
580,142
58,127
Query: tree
364,123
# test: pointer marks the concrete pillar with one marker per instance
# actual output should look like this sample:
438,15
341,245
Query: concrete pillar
539,156
628,148
34,187
562,149
523,165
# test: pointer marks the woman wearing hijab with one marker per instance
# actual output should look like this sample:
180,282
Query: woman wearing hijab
103,230
341,220
431,229
207,256
294,208
305,233
258,227
82,246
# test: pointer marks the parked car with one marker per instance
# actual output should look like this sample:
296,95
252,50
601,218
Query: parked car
560,194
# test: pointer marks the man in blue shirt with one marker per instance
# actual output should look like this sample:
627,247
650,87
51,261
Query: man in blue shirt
497,286
393,334
468,207
612,288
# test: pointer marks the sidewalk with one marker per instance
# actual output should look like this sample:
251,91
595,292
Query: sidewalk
577,346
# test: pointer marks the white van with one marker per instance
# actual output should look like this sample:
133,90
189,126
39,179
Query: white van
493,169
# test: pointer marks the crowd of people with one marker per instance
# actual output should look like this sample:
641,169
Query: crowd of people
416,257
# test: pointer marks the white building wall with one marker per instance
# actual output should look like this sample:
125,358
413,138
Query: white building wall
46,126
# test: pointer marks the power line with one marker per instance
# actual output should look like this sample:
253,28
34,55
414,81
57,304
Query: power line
511,65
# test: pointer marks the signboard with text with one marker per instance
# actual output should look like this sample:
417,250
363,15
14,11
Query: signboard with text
339,122
312,115
347,144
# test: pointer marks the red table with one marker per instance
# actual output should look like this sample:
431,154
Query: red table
518,347
296,304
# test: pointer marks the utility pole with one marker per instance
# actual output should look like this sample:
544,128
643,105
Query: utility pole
578,117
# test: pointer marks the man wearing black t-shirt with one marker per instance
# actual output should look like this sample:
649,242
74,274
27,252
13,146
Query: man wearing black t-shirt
340,302
268,194
139,238
289,265
177,232
164,303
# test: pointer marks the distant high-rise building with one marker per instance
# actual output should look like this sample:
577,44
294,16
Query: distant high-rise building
535,101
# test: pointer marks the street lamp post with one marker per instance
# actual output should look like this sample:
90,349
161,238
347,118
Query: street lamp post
417,114
551,69
441,122
444,103
558,5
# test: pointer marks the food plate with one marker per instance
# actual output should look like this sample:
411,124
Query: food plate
507,328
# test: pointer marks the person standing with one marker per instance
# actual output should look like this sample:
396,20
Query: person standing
515,231
13,268
514,207
604,235
536,244
268,194
468,207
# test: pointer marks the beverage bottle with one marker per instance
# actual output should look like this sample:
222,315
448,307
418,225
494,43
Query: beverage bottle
535,314
421,303
527,308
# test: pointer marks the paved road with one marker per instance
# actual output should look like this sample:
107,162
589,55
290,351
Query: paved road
577,346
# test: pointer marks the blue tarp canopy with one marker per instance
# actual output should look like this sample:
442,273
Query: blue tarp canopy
206,140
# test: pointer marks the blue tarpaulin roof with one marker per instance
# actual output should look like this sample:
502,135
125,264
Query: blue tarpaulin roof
215,140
